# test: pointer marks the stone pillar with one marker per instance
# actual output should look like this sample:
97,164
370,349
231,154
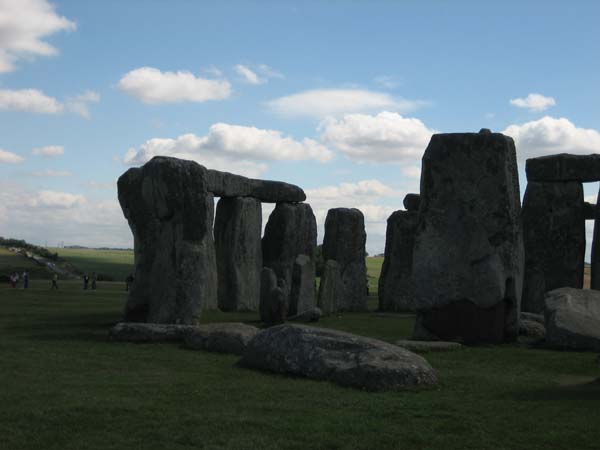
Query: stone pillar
344,242
595,269
238,226
331,288
396,290
170,213
554,236
468,254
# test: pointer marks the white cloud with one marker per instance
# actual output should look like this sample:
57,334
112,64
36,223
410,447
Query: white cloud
50,151
7,157
29,100
23,26
548,135
248,76
333,102
54,199
80,103
234,148
152,86
412,171
385,137
49,173
534,102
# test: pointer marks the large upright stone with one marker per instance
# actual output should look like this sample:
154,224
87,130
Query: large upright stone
396,290
554,236
302,293
344,242
224,184
564,167
170,213
595,258
290,231
238,226
331,288
468,252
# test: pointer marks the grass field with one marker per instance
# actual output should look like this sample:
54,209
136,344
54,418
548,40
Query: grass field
116,264
64,386
11,262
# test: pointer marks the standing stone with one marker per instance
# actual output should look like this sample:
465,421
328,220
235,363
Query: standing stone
554,235
170,214
396,290
344,242
468,253
331,287
290,231
302,294
268,282
595,268
238,226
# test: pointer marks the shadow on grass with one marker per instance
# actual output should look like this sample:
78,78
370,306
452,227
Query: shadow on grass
588,390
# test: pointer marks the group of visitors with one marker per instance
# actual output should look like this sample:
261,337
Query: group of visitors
86,281
14,279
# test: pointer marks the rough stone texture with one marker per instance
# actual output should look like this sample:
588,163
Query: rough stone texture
148,332
344,242
302,293
589,211
221,337
339,357
170,213
533,317
573,319
428,346
224,184
396,287
268,283
532,328
554,236
311,315
411,202
330,288
238,226
468,252
564,167
595,258
290,231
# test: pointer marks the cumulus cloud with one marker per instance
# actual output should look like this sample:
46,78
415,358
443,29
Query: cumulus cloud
54,199
29,100
152,86
49,151
259,74
386,137
7,157
49,173
333,102
549,135
233,148
534,102
23,26
80,104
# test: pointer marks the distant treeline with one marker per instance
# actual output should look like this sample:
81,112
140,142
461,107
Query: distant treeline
41,251
83,247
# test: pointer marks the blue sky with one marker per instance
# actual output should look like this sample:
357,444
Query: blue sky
338,97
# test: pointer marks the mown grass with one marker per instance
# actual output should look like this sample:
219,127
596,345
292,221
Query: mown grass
64,386
115,264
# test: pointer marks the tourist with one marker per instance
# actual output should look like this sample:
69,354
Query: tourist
54,281
14,278
94,279
128,281
25,279
86,280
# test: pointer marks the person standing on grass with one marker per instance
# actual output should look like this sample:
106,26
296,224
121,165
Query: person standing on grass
54,281
128,281
86,280
94,279
25,280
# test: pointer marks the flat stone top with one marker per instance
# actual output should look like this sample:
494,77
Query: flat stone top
564,167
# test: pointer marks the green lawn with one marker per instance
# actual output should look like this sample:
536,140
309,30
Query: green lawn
64,386
115,264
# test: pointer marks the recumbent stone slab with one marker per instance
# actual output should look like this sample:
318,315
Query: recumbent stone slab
148,332
221,337
564,167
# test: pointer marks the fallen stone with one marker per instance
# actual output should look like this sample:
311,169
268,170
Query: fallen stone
532,328
396,287
311,315
428,346
330,288
224,184
336,356
573,319
564,167
302,293
148,332
539,318
468,253
221,337
237,231
411,202
554,236
344,242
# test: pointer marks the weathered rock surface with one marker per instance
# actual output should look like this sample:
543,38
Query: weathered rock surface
533,317
344,242
468,252
532,328
311,315
268,283
290,231
221,337
148,332
339,357
224,184
589,211
396,288
595,258
170,213
411,202
564,167
573,319
428,346
330,288
554,236
302,293
238,226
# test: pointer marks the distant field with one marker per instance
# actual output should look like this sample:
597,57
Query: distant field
11,262
115,264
